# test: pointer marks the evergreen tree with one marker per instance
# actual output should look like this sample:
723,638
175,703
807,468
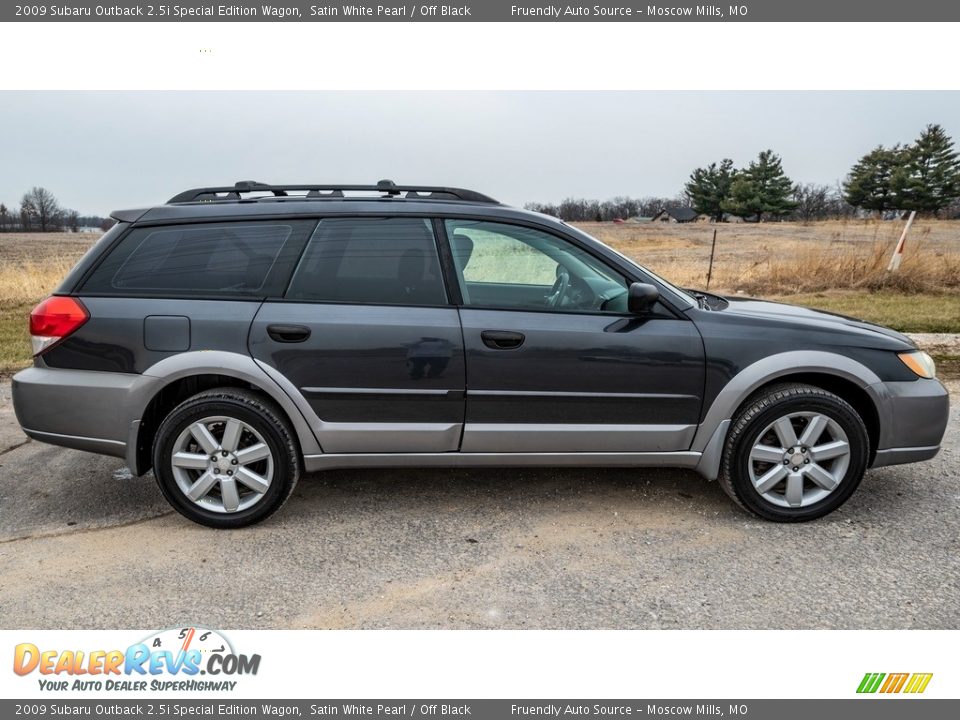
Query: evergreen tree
762,189
870,182
709,187
929,177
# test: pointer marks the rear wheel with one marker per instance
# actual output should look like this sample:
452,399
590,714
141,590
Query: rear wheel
794,452
226,458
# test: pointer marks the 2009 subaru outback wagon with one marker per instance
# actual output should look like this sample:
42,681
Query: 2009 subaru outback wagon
239,336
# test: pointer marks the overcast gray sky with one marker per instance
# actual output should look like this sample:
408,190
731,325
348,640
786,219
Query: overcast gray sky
103,151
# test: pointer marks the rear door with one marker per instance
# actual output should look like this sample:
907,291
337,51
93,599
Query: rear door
366,333
554,361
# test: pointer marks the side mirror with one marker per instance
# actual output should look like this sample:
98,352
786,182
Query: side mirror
641,297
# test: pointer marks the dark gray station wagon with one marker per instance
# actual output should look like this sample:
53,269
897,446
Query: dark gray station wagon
237,337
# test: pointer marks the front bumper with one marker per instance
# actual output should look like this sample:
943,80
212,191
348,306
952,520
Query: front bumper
913,419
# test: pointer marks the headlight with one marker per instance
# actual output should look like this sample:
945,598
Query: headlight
921,363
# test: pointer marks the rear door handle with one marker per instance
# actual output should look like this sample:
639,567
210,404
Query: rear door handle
502,339
288,333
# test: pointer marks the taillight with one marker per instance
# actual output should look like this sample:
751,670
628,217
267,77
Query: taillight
54,319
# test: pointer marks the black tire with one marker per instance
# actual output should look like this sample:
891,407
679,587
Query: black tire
764,408
257,412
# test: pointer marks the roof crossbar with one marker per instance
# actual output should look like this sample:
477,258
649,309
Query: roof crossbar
387,187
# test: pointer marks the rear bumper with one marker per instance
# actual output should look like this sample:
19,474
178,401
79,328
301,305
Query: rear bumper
102,446
900,456
78,409
913,419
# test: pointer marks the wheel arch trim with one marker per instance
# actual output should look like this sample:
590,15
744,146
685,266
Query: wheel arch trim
215,362
712,432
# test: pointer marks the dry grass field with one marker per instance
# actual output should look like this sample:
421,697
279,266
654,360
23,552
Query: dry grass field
780,259
838,266
31,265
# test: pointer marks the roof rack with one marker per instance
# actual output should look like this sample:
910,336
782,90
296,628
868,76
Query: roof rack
389,189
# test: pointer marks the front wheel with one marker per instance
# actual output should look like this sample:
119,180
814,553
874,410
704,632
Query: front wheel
794,453
226,458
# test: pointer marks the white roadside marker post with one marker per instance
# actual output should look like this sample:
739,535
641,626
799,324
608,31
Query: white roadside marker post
898,250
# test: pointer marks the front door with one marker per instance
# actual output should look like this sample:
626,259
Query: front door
554,361
365,333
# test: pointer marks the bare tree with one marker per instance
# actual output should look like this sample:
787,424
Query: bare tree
72,218
581,209
653,206
26,217
40,210
4,217
813,201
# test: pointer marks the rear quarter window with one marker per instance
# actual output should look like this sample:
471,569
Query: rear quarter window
216,259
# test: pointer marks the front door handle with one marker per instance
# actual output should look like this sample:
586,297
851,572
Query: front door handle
288,333
502,339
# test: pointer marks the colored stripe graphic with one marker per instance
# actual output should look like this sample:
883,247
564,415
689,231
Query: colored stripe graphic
870,682
894,682
918,683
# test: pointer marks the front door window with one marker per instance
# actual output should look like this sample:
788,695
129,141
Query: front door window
515,267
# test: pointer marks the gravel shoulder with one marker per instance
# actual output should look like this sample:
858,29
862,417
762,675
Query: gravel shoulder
85,545
937,343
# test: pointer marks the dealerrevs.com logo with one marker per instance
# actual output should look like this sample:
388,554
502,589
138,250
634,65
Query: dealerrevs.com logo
910,683
173,659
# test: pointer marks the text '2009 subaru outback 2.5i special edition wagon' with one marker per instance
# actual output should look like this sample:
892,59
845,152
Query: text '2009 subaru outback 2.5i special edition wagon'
237,337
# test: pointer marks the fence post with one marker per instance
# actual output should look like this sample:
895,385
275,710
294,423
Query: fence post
898,250
713,249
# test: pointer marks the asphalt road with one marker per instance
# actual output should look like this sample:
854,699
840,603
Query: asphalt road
85,545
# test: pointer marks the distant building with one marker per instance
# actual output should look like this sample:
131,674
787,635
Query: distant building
677,215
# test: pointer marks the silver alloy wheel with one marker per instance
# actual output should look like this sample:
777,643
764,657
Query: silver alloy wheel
799,459
222,464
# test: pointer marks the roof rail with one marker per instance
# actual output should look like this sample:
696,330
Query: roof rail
387,187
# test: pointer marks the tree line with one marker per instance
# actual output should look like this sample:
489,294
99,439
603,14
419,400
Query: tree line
922,176
40,211
580,209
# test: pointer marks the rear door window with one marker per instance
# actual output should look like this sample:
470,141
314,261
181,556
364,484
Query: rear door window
382,261
217,259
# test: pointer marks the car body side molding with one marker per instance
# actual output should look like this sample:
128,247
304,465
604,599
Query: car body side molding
331,461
